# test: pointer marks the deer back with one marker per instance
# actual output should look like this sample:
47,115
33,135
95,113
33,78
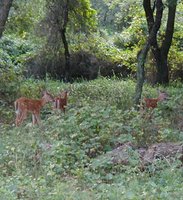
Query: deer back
33,104
151,102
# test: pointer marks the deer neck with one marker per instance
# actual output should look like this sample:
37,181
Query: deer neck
65,97
43,101
161,98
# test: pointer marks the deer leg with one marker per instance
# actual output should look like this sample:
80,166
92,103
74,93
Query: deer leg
18,116
55,105
35,118
63,109
17,120
21,116
58,104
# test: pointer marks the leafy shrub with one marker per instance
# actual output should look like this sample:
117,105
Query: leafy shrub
65,157
13,54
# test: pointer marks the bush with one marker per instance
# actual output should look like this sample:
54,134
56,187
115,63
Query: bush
66,156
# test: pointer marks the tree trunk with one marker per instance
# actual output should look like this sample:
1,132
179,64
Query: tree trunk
162,75
164,79
161,53
5,6
65,43
67,55
141,58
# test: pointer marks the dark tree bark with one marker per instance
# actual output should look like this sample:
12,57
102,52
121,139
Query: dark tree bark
164,77
62,31
5,6
58,18
141,57
67,55
161,53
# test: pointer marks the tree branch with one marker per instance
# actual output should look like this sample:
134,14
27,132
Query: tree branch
169,27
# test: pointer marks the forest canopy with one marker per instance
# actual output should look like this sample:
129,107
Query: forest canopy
81,37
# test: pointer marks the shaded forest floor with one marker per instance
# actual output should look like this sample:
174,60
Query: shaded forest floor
102,148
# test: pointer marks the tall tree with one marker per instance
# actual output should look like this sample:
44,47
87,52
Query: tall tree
5,6
61,14
141,57
161,52
59,17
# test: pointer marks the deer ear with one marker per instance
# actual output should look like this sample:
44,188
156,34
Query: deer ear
44,92
163,92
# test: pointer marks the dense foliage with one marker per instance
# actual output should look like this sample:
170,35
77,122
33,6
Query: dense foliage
70,156
120,34
66,157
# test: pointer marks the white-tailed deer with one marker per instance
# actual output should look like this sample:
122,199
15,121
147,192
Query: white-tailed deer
60,102
24,105
153,102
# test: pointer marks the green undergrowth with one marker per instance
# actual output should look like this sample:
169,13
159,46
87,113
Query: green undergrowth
65,157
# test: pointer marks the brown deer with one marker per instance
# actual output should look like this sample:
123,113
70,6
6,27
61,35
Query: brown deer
24,105
153,102
60,102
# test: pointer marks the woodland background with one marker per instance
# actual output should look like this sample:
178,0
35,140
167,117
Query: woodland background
106,54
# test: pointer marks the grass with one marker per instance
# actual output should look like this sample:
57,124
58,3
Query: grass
65,157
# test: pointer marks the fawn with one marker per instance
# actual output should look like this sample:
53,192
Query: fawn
60,102
24,105
153,102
